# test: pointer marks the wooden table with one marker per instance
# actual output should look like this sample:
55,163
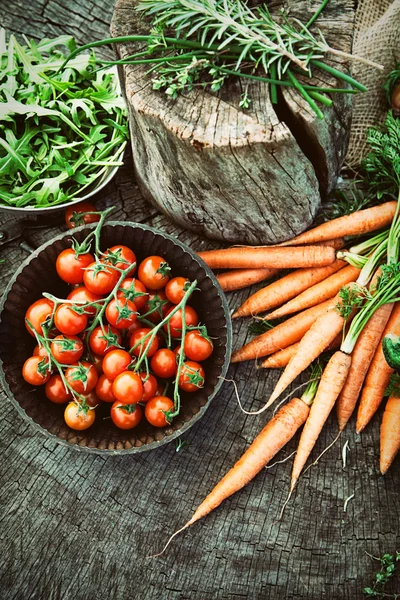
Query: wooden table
77,526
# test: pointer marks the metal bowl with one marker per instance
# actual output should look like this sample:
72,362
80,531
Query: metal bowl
38,274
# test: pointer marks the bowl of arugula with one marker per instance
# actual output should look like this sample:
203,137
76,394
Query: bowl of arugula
63,131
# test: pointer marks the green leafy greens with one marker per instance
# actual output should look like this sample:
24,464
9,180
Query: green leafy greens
60,129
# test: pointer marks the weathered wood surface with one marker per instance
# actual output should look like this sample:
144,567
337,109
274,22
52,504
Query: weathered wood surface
79,527
201,158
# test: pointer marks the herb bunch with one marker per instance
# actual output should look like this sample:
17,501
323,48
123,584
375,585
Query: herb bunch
382,577
61,129
216,39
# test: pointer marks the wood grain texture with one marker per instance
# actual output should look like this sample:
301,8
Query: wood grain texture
77,527
201,158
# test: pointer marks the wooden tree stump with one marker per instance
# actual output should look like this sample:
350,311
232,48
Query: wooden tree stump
253,176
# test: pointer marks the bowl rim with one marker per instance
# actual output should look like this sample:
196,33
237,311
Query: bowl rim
188,424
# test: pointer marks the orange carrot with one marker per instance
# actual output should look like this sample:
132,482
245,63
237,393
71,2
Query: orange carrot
281,359
317,293
283,335
272,257
357,223
320,335
378,376
241,278
285,288
390,433
278,431
332,381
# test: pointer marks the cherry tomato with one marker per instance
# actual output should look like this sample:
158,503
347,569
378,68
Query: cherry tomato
71,267
81,294
104,389
133,290
77,417
128,388
192,377
66,350
163,363
121,313
74,215
97,362
40,351
134,327
197,347
175,289
36,370
156,307
82,377
175,322
100,344
154,410
37,314
92,399
56,390
116,362
121,257
177,350
126,416
153,272
137,337
68,321
149,386
100,278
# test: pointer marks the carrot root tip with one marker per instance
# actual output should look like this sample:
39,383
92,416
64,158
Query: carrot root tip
170,540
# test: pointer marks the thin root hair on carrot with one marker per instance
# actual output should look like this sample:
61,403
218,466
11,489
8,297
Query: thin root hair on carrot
323,452
278,462
285,505
169,541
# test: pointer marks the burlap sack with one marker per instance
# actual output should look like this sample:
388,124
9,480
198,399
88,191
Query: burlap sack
377,37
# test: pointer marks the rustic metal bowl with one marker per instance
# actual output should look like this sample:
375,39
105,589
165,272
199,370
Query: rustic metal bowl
38,274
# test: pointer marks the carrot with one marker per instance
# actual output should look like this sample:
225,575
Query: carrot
278,431
362,356
321,333
241,278
332,381
272,257
357,223
285,288
390,433
378,376
283,335
317,293
282,357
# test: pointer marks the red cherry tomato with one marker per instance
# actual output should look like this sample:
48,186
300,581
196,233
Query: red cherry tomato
81,294
154,272
133,290
66,350
163,363
121,257
71,267
126,416
176,289
82,377
37,314
56,391
97,362
155,408
74,215
36,370
78,418
92,399
116,362
137,338
100,344
175,322
156,307
128,388
40,351
104,389
121,313
149,386
100,278
68,321
192,376
197,347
